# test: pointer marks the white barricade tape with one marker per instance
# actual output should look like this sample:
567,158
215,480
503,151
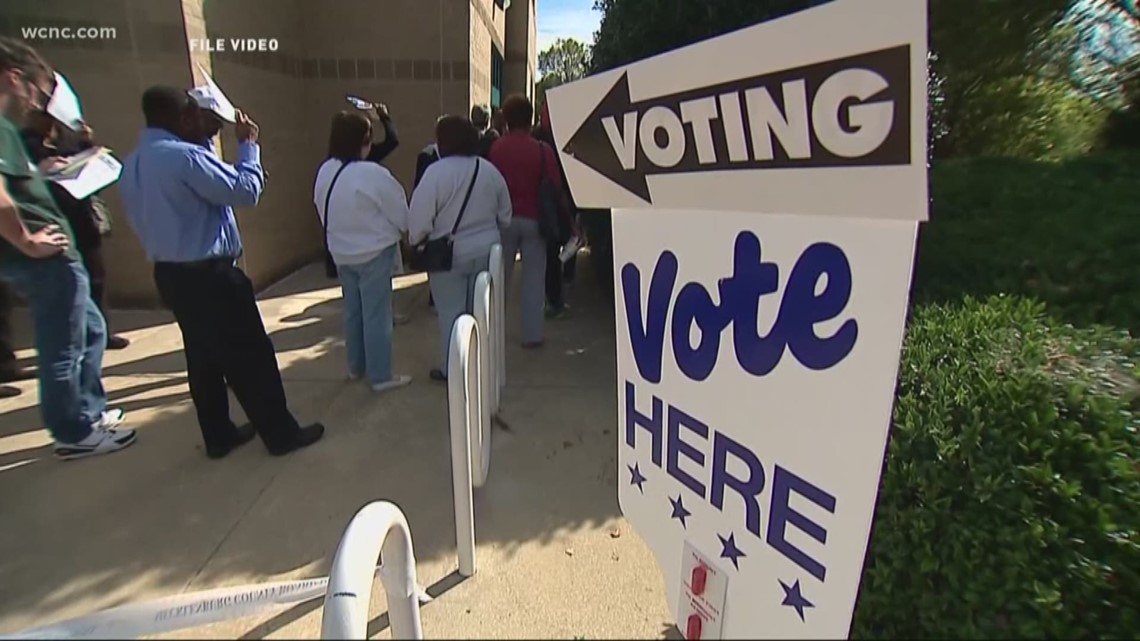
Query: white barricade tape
183,611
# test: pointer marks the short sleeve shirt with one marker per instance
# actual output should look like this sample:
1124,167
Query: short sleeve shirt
29,190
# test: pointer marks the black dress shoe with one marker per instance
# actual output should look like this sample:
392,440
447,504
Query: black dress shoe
7,391
243,435
304,437
117,342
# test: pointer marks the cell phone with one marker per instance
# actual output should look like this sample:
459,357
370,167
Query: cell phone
359,103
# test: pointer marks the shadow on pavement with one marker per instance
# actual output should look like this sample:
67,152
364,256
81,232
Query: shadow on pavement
160,518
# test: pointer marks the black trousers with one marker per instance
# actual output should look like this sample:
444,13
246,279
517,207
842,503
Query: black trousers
7,353
553,274
226,344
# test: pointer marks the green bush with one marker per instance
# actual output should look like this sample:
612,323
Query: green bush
1065,233
1010,500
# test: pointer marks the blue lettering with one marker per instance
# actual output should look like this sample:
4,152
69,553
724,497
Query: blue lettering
782,514
749,489
748,486
676,447
635,419
801,308
648,338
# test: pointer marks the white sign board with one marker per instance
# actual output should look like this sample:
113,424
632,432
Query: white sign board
810,114
768,186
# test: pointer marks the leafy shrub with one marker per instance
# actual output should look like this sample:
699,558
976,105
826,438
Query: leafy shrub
1010,500
1065,233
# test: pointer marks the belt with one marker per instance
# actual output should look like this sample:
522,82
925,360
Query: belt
207,263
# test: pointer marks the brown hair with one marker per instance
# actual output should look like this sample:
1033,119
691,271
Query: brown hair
16,54
456,136
350,131
518,112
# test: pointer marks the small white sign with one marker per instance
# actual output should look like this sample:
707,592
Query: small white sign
64,104
211,98
794,116
95,174
704,588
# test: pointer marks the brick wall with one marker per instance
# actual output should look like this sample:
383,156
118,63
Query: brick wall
422,58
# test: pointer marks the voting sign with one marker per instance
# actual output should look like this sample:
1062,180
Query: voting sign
799,115
767,188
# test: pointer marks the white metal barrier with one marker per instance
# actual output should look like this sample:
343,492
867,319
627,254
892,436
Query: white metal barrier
485,321
469,465
378,528
498,323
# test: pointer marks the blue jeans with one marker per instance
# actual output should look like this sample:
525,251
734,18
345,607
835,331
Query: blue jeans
454,294
70,337
367,290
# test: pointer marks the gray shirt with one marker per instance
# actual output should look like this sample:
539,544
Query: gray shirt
437,200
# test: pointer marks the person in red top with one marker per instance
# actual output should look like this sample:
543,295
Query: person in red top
521,160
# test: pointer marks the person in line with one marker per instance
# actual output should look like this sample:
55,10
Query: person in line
10,369
179,199
462,196
481,118
521,159
557,272
44,138
427,156
364,211
39,259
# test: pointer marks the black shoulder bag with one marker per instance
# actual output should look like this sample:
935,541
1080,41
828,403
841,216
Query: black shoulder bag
552,222
330,263
437,255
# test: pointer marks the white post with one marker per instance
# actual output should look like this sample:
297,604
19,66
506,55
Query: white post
499,344
378,528
485,322
463,399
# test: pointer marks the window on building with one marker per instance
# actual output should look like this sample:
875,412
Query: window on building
496,78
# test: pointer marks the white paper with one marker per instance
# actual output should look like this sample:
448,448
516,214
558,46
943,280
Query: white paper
64,104
96,174
211,97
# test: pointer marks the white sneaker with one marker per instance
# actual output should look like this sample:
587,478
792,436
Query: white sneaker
100,441
111,419
397,381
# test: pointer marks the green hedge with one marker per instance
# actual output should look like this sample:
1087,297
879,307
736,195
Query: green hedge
1065,233
1010,501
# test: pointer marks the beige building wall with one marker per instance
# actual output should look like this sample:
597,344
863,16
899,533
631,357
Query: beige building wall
423,58
521,55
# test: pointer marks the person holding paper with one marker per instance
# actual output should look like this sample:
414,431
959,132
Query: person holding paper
364,212
45,138
179,199
39,259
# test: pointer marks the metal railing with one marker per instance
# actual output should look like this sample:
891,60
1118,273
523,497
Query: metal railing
379,528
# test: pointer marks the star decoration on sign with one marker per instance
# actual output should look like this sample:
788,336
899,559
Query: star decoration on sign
636,478
679,511
794,598
729,550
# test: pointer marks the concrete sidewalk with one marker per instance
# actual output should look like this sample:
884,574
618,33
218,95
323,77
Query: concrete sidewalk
556,559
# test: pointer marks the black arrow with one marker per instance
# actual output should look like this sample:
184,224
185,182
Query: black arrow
591,145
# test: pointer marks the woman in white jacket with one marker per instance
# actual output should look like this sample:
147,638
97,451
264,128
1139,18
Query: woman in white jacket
364,211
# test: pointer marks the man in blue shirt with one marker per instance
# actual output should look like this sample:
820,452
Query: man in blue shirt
179,198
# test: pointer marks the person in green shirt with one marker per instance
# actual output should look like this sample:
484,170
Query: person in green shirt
39,259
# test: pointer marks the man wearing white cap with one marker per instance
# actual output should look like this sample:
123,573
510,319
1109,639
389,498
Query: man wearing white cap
179,199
